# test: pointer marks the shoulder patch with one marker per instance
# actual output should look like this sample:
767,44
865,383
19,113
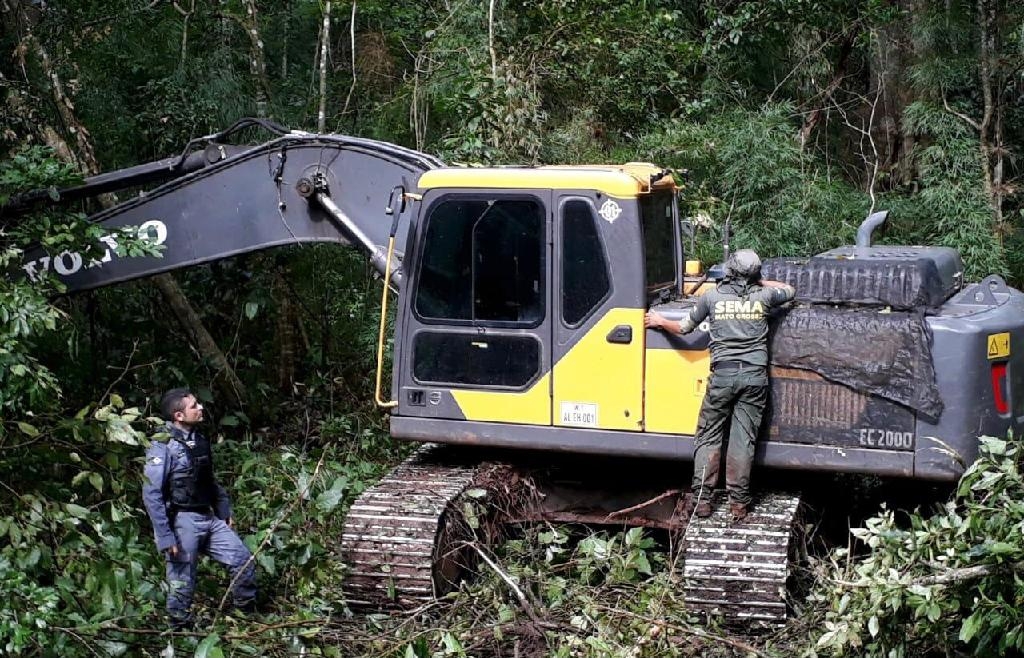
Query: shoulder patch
156,461
157,451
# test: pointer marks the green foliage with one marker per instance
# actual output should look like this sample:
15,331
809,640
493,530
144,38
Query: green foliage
627,63
557,69
961,216
26,313
77,559
74,556
946,582
606,594
33,169
748,169
294,504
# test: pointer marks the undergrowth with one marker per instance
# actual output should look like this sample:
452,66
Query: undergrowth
83,579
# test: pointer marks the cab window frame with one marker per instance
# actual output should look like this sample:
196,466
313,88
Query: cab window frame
655,287
605,256
543,280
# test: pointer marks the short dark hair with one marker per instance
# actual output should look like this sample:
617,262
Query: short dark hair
173,401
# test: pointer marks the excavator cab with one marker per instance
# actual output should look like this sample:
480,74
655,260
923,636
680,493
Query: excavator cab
524,303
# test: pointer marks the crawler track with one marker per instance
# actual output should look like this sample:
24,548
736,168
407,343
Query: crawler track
740,570
403,539
405,544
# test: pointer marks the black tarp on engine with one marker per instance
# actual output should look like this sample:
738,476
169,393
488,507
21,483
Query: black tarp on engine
904,281
883,353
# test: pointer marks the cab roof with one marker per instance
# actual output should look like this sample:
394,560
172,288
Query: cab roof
628,180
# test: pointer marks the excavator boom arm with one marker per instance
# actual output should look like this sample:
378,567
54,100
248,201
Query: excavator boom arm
295,189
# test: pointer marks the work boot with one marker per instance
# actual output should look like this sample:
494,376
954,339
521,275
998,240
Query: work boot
691,506
738,511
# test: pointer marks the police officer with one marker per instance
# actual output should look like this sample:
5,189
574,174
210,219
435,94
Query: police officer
190,511
737,310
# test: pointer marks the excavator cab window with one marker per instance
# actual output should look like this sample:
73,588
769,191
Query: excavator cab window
585,279
458,359
483,263
657,219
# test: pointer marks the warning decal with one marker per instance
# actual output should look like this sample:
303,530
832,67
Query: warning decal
999,345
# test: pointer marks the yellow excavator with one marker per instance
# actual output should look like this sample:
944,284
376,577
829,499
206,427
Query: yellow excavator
519,327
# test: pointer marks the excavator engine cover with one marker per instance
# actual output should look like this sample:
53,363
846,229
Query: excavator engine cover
903,278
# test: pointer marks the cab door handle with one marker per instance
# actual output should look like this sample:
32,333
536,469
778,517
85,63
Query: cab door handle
622,334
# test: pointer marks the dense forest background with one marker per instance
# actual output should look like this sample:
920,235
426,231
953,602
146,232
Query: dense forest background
792,119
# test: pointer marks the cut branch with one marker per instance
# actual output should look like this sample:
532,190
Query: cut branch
688,630
646,503
524,602
270,532
946,577
965,574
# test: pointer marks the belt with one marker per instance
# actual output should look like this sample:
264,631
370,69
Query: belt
198,509
735,365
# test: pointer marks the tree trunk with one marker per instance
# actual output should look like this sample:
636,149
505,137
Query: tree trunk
325,40
287,29
890,54
257,59
838,73
286,339
988,54
352,46
185,16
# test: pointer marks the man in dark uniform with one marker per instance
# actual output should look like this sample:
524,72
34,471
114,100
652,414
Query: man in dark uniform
737,310
190,511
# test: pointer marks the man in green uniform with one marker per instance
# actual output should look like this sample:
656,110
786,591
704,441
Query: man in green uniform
737,310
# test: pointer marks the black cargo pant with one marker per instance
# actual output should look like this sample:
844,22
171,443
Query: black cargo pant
740,394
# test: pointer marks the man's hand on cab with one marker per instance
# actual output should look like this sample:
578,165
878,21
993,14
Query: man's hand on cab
654,320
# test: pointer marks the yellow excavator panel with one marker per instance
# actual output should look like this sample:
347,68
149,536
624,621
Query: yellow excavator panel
622,181
605,379
531,407
675,382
